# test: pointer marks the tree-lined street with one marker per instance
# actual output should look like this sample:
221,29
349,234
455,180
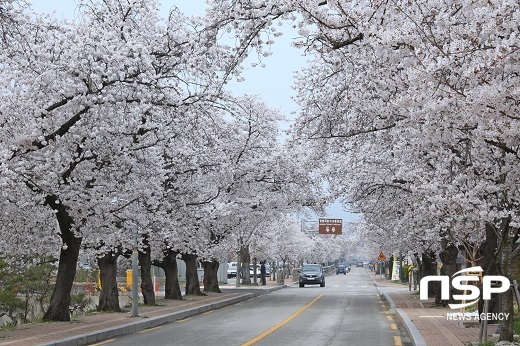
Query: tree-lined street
121,140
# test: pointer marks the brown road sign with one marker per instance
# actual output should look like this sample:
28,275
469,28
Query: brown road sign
330,226
381,257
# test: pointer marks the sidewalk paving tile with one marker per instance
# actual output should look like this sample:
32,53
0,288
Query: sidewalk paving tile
98,326
430,321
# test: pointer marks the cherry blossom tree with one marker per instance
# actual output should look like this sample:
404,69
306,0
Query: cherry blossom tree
429,87
85,107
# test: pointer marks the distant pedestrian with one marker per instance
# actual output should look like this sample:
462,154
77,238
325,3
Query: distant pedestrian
262,272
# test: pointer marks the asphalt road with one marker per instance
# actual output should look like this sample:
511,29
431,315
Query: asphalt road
347,311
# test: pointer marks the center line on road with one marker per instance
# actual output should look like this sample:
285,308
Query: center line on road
277,326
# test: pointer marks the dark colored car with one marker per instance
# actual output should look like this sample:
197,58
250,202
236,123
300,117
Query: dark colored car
341,268
312,274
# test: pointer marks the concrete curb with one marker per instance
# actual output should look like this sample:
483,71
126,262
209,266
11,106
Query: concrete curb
137,326
275,288
411,329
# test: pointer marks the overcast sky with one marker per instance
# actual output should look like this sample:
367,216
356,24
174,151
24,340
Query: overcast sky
273,83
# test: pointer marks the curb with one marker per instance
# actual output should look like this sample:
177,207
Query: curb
275,288
411,329
137,326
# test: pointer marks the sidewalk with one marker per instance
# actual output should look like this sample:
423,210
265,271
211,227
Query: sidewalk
427,324
98,326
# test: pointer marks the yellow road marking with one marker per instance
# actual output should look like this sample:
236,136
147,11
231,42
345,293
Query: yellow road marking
389,318
149,330
104,342
208,312
284,322
393,326
397,341
184,320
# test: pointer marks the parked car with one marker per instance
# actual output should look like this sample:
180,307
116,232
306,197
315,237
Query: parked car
267,270
341,268
232,270
251,269
312,274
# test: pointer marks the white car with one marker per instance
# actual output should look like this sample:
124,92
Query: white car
232,270
251,269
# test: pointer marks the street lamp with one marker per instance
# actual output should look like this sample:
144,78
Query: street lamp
135,271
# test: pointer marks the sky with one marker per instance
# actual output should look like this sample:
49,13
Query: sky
272,83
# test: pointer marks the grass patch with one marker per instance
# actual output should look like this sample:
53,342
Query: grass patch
487,343
8,327
516,325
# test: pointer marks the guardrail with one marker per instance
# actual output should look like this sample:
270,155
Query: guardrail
329,269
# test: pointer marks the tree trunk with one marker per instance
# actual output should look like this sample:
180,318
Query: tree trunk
58,309
245,260
210,276
506,326
169,265
145,261
429,267
255,279
192,279
487,250
448,257
109,297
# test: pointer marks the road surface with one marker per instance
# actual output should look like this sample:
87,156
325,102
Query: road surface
347,311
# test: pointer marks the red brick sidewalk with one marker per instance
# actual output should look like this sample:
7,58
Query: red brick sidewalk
427,319
432,324
83,327
39,333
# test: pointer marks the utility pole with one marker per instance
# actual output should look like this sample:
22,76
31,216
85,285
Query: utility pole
135,282
135,269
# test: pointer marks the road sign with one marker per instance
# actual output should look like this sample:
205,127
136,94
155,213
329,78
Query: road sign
381,257
330,226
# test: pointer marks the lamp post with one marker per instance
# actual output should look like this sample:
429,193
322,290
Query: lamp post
135,270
